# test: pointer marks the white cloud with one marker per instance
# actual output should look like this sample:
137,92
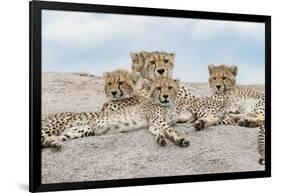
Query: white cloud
249,74
202,29
84,29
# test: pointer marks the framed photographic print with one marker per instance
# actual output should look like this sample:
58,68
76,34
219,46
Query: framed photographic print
126,96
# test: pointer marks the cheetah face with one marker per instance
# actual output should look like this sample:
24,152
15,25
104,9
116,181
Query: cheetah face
163,90
119,84
158,64
222,77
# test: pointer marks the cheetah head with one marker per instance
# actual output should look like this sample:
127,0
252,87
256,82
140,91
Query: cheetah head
119,84
163,90
158,64
222,77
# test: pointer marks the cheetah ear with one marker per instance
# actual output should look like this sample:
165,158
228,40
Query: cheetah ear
177,81
135,77
233,70
210,68
105,75
133,55
146,84
173,54
143,54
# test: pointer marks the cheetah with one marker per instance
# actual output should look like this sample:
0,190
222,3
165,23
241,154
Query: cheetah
155,113
60,127
244,106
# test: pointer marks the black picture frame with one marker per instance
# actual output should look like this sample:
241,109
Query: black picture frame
35,94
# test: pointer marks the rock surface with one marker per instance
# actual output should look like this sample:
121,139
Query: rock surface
216,149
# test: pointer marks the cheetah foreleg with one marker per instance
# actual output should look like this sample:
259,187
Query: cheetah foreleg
159,134
177,137
249,121
52,141
77,132
163,131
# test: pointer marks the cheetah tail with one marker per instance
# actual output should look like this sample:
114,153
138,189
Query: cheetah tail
261,144
227,121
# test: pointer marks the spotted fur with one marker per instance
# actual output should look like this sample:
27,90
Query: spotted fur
261,144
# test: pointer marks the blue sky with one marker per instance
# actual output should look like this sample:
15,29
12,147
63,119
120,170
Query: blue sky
96,42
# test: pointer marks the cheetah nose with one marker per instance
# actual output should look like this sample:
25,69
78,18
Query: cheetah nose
113,93
161,71
218,86
165,96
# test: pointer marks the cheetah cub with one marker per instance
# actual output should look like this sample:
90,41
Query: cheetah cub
244,106
60,127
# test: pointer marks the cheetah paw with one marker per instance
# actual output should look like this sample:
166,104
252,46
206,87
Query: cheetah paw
56,143
161,140
199,124
247,123
183,142
262,161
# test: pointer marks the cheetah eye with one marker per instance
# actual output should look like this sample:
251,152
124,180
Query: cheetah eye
158,88
224,78
214,78
166,61
121,82
152,62
170,87
109,83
